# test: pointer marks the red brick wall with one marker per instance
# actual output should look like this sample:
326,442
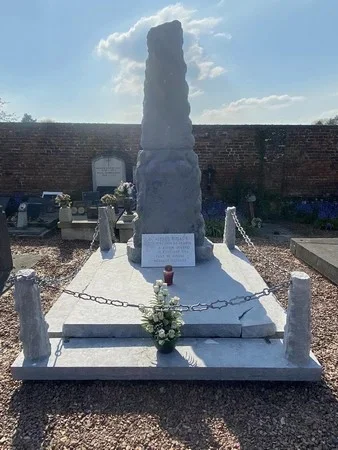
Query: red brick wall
288,160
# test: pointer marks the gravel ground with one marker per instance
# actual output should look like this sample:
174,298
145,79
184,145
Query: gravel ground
171,415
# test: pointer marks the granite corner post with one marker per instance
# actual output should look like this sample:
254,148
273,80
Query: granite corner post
297,333
105,237
229,236
167,172
33,327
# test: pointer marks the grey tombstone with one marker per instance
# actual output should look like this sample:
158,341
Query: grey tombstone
108,171
33,327
167,172
22,216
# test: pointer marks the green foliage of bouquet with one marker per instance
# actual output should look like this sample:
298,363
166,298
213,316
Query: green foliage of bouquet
162,323
63,200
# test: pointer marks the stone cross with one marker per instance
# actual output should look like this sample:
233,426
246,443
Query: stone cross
167,173
33,327
297,333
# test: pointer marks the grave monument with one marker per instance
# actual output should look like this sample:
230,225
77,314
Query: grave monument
167,172
233,326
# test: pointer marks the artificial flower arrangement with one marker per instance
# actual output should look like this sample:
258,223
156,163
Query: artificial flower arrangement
63,200
124,190
164,324
108,200
256,222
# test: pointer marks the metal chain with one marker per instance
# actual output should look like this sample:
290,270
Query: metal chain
9,283
197,307
252,245
52,281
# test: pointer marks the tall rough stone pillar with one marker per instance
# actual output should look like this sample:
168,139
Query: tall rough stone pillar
33,327
297,333
167,172
6,262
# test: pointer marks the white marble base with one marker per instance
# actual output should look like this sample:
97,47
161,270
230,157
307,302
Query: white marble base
111,275
193,359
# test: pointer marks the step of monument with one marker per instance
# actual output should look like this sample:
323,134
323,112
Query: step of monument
193,359
110,275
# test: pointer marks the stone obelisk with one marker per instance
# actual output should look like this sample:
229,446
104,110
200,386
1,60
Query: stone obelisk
167,173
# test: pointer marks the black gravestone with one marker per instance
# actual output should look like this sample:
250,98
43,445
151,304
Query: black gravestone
34,210
91,198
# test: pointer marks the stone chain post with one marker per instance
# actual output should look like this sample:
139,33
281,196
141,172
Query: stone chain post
229,237
104,230
33,327
297,332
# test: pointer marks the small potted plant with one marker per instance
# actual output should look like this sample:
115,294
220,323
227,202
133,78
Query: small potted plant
124,192
256,222
65,212
164,324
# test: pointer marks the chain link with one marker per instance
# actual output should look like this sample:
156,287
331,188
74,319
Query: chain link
54,283
252,245
197,307
9,283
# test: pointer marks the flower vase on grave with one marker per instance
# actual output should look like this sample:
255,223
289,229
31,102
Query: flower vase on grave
65,214
167,347
128,214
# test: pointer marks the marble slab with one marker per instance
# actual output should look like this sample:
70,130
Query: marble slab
193,359
111,275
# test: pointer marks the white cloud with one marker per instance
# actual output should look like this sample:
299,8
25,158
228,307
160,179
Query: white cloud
248,108
128,49
328,114
225,35
195,92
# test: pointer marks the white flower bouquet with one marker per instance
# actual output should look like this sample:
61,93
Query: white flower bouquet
162,323
124,190
63,200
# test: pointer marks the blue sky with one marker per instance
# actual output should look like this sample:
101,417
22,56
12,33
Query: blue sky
249,61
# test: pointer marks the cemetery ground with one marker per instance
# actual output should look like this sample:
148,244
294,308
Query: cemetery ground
166,415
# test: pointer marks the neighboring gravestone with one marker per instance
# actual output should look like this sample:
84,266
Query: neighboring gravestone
6,262
167,173
91,198
22,221
108,171
159,250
